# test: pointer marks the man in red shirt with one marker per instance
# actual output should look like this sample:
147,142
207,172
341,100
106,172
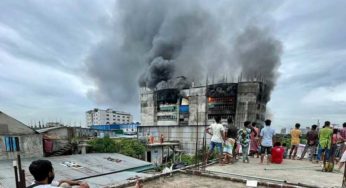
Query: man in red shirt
277,153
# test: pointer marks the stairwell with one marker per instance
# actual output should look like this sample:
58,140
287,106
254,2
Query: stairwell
67,148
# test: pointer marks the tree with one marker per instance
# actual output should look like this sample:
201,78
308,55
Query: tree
132,148
103,145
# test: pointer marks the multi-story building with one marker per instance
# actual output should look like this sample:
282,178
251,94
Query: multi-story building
283,131
107,117
184,114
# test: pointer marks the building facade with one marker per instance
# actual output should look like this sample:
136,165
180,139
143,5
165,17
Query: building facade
183,114
17,138
107,117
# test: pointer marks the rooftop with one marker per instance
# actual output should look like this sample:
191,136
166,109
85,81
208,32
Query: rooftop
288,174
87,167
116,170
291,171
11,126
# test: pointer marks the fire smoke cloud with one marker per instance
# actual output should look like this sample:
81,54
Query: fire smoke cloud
154,42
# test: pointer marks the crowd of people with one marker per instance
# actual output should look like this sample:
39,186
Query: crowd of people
232,142
325,144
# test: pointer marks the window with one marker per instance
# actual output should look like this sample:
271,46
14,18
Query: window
107,114
12,143
107,118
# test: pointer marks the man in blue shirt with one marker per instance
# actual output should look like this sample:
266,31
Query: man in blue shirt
267,134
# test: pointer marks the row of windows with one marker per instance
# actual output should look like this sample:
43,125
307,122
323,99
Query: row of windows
113,119
122,121
118,119
167,118
223,99
119,116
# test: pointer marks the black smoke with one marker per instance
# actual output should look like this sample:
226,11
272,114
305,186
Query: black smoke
177,42
258,54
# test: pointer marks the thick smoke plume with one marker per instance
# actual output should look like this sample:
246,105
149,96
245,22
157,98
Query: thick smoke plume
177,42
258,54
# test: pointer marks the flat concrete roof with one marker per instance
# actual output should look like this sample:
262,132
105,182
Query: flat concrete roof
85,166
292,171
181,180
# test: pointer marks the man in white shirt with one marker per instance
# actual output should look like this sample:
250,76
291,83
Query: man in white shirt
43,172
217,138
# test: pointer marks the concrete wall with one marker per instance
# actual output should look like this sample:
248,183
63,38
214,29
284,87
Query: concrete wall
249,105
197,106
147,108
60,133
30,146
186,135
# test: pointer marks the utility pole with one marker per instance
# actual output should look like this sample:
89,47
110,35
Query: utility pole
196,151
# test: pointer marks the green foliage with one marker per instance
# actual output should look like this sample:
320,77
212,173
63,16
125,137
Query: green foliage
187,159
132,148
129,147
103,145
191,159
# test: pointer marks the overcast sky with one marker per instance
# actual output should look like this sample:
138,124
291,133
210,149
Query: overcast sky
44,46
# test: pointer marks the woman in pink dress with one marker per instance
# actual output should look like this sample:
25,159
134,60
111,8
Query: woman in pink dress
254,140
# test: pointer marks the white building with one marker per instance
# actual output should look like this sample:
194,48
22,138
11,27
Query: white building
107,117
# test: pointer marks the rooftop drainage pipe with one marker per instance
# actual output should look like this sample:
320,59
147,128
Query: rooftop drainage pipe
135,169
145,179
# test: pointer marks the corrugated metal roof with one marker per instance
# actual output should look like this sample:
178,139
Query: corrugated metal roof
49,129
91,165
11,126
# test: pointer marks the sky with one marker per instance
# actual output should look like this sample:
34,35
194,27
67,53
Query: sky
47,60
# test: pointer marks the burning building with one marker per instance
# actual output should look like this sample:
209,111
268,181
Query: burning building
183,113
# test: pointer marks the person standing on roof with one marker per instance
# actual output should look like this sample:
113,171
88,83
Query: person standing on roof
342,132
244,140
217,138
312,141
266,136
254,140
325,136
233,133
296,134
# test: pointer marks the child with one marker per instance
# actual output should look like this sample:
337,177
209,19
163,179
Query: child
286,150
228,148
244,142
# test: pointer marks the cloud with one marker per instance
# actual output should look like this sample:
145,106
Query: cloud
326,95
57,57
42,49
